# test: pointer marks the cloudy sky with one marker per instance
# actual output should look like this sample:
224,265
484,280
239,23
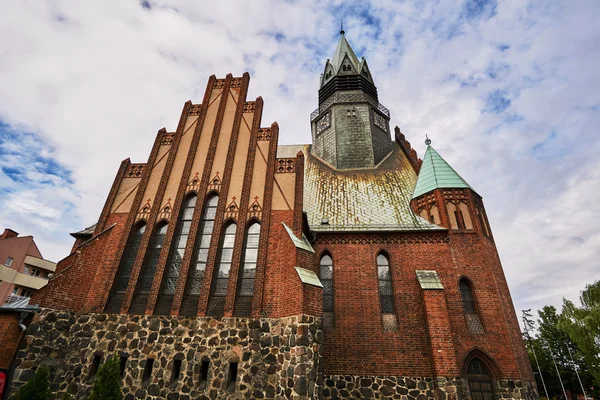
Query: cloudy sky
509,92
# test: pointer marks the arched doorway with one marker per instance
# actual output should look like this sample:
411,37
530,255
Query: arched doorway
480,380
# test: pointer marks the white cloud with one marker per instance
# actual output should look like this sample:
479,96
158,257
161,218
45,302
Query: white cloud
92,82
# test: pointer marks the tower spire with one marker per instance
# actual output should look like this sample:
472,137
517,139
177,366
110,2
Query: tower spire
342,28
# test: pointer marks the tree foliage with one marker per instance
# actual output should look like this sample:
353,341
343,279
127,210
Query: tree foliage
107,383
560,345
37,388
582,324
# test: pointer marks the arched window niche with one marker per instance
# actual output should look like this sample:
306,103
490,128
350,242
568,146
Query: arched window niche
220,282
326,277
195,275
245,290
469,306
146,276
480,372
123,275
173,266
386,293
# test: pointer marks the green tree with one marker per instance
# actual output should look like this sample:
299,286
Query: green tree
37,388
553,348
107,383
582,324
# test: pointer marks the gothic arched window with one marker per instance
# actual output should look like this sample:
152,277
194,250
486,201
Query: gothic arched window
326,276
469,307
173,266
119,286
216,303
245,291
480,381
386,292
144,281
191,294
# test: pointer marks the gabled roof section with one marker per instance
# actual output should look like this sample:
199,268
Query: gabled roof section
342,50
436,173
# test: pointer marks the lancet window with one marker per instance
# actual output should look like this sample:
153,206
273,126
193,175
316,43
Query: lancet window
245,291
216,303
144,282
386,293
191,294
173,266
119,286
326,276
469,306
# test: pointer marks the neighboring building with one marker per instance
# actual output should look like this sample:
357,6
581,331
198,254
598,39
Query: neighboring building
23,270
228,266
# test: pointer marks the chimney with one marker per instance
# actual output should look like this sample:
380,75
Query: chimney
8,233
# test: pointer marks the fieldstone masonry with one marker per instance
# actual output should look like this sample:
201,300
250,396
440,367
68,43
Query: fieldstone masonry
277,358
412,388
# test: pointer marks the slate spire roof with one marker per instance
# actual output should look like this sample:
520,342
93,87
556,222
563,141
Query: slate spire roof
343,49
343,52
436,173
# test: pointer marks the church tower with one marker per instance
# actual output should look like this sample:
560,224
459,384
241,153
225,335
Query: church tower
350,129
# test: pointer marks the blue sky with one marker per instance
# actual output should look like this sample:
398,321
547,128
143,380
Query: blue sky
507,90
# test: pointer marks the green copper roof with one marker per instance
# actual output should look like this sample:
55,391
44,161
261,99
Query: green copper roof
436,173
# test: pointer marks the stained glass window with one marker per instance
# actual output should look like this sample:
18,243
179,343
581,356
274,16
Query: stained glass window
216,304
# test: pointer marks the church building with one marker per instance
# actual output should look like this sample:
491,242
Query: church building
228,266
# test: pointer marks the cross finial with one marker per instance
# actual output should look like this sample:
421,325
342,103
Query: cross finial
342,28
427,140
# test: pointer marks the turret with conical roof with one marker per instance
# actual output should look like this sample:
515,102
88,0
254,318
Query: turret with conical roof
350,129
443,197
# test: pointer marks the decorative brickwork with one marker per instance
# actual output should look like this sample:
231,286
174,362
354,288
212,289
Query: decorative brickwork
285,165
135,170
264,134
167,138
249,106
410,153
195,109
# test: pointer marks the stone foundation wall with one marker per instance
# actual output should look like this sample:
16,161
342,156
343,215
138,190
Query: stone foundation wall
411,388
277,358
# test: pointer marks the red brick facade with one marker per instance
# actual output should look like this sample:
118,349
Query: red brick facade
10,334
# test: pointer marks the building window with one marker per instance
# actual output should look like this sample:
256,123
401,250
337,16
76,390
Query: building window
232,376
386,293
148,370
96,361
146,277
326,276
191,294
119,286
216,303
176,372
9,261
122,364
173,267
245,291
203,380
480,381
469,307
